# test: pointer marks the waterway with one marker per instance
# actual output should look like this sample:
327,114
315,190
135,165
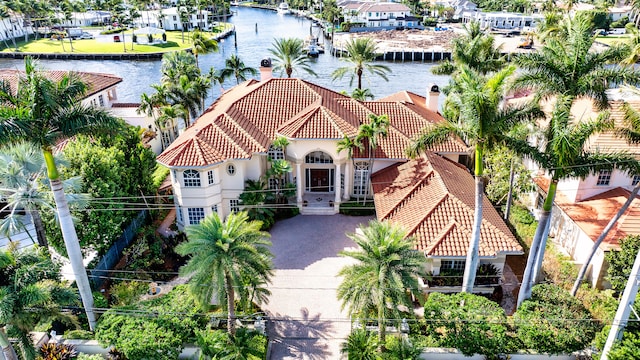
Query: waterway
255,31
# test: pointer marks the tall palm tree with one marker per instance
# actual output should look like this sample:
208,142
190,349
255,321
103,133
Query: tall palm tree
631,132
30,294
290,56
361,52
222,254
485,122
565,156
475,49
633,42
44,112
350,144
385,275
202,44
235,67
565,69
377,127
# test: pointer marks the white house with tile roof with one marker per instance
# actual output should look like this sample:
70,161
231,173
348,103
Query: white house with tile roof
433,198
382,15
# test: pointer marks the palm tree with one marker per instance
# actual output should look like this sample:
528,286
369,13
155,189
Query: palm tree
377,127
289,56
21,168
222,254
475,49
362,94
633,42
631,132
565,69
30,294
360,345
564,156
234,67
202,44
277,170
241,346
349,145
44,112
485,123
565,66
386,273
254,197
361,53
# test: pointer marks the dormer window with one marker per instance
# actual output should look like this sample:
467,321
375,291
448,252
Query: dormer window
191,178
604,178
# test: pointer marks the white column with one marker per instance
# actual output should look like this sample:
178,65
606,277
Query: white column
299,182
336,183
348,178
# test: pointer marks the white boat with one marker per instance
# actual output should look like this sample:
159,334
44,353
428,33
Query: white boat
283,8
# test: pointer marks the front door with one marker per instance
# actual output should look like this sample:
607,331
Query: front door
319,180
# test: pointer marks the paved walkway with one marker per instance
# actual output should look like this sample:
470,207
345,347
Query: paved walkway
308,321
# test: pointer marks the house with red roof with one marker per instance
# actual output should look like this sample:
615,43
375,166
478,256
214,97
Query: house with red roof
432,197
584,207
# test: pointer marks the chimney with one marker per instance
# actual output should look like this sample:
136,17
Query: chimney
433,92
265,69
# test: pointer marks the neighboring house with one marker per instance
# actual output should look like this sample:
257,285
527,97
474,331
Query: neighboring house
88,18
433,198
617,13
502,20
169,19
583,207
458,6
13,28
231,143
156,137
378,15
101,93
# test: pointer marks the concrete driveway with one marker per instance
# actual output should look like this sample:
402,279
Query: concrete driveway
307,320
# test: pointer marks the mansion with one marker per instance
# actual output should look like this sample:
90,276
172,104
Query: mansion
431,197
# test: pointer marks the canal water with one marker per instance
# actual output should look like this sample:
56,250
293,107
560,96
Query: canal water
255,31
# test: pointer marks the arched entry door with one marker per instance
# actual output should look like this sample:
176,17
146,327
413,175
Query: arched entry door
319,172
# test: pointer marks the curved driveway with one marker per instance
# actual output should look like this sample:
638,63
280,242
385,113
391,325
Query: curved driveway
307,320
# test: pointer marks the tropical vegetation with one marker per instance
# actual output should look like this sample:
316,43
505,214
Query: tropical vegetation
360,55
223,256
44,111
384,277
290,56
235,68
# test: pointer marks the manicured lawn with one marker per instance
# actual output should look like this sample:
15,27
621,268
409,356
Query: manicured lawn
104,44
612,39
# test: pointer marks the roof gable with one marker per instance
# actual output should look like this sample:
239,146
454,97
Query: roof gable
434,199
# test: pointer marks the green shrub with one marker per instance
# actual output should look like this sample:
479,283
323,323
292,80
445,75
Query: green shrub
78,335
219,344
128,292
621,262
113,31
159,175
355,207
99,301
554,322
54,351
620,23
523,224
399,348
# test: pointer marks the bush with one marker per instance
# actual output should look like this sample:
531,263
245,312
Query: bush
153,329
401,349
99,301
219,344
354,207
620,23
621,262
84,356
53,351
128,292
467,322
78,335
554,322
523,224
113,31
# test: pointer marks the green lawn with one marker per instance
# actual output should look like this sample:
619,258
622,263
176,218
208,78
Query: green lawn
612,39
104,44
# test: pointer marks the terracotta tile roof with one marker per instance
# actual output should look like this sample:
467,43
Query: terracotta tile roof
594,213
434,199
246,119
96,81
608,141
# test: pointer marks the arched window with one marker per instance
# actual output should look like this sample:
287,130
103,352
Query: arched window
191,178
318,157
231,169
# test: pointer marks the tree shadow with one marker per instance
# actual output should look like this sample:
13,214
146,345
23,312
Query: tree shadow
303,337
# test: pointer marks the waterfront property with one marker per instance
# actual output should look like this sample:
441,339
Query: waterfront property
170,19
368,15
232,142
502,20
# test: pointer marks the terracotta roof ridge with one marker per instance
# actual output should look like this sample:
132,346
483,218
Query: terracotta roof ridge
176,151
231,141
242,130
417,186
336,120
444,197
305,112
442,235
